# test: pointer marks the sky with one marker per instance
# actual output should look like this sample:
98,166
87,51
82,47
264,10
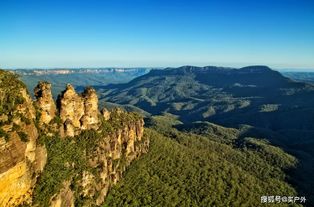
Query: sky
156,33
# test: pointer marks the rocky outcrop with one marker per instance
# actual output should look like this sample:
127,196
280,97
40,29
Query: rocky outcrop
105,113
65,198
90,117
110,157
45,102
117,139
78,111
21,158
71,107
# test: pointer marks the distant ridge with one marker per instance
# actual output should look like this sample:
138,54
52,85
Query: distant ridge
255,95
222,76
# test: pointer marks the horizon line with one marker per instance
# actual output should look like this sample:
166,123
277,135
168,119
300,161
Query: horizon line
282,69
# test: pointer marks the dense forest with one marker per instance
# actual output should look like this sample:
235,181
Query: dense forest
213,169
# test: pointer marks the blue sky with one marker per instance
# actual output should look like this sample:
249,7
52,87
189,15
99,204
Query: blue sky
156,33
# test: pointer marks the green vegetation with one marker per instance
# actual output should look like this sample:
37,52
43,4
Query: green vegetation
187,169
275,107
221,95
57,120
10,99
23,136
25,120
67,159
4,134
119,118
10,87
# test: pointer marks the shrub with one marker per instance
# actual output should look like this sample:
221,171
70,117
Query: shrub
23,136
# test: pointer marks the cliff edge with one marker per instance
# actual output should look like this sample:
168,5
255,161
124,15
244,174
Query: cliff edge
64,153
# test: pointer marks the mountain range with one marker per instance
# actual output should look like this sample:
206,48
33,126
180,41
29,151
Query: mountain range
254,95
218,136
256,98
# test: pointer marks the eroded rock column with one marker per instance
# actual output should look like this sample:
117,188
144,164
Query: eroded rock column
71,109
45,102
90,117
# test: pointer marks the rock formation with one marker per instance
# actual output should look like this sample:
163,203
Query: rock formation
90,117
71,108
21,158
109,160
117,140
64,198
106,114
78,111
45,102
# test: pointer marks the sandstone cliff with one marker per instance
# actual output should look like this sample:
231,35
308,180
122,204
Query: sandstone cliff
21,158
105,163
64,154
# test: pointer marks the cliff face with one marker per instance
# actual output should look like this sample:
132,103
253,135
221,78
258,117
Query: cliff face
21,158
114,153
81,154
109,158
